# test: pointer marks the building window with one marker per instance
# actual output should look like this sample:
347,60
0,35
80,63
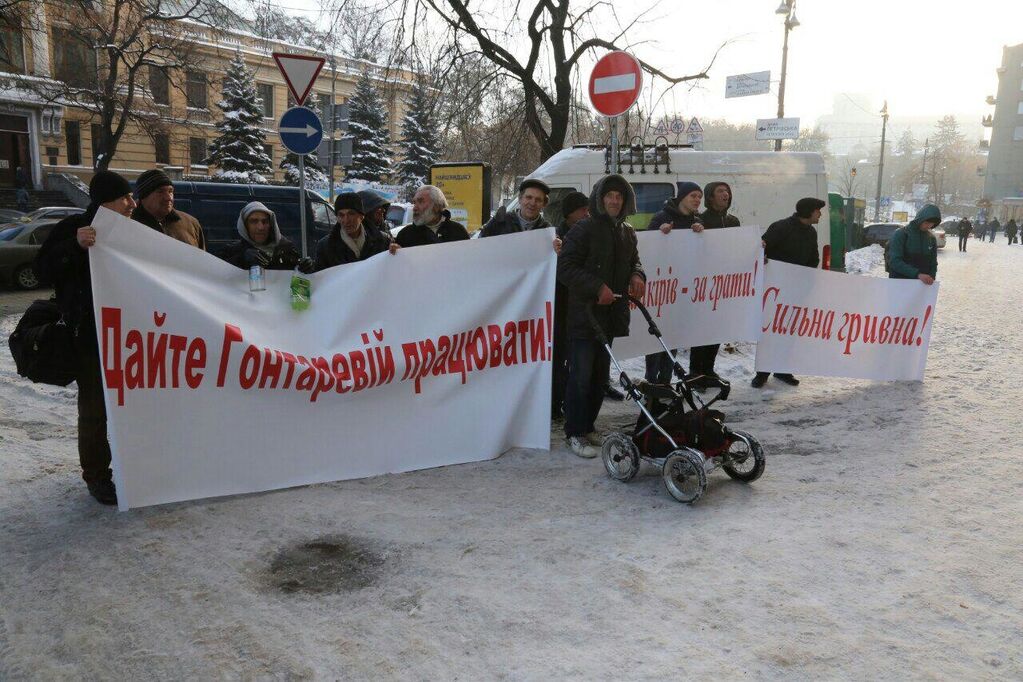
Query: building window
269,149
197,151
52,155
159,85
96,130
161,147
1017,134
195,89
74,58
12,49
73,137
266,94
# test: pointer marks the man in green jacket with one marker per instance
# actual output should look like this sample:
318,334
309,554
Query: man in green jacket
913,250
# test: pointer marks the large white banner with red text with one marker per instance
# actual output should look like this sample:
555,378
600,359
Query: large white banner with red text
834,324
436,355
702,288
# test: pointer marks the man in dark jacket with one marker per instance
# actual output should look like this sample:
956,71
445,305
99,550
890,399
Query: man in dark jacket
574,207
262,243
155,194
533,197
598,264
431,221
913,250
1010,230
376,207
965,228
793,240
352,238
63,261
992,230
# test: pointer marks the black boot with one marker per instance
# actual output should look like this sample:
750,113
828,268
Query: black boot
760,379
787,378
104,491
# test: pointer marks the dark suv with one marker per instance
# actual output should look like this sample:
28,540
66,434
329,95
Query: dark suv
879,233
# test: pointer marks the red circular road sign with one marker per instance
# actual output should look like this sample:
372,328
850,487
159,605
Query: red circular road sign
615,83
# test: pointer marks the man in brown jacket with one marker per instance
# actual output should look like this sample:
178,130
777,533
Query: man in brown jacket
155,193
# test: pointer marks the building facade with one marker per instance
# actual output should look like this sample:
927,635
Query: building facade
45,136
1003,181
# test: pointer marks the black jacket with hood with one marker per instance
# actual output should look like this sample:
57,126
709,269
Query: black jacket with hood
712,219
64,264
600,250
281,251
332,249
670,213
507,222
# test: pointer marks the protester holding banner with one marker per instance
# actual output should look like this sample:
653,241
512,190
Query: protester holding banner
533,197
793,240
63,261
599,263
431,221
913,250
682,213
262,243
155,193
353,238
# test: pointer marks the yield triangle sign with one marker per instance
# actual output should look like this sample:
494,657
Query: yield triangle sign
694,126
299,72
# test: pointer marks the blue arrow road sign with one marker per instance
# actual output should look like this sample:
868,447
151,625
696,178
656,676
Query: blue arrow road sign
300,130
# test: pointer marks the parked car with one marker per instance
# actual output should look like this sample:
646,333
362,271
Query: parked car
939,234
398,215
879,233
19,245
9,215
47,213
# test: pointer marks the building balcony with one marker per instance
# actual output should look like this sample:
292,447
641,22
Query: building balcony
991,100
986,121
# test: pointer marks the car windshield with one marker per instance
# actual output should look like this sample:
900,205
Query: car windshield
10,233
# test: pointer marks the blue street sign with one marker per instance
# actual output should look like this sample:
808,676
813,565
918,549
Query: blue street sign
300,130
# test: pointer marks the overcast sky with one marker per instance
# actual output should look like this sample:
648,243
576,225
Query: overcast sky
926,57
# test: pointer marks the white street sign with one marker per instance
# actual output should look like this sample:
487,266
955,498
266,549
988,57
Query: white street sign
299,73
777,128
746,84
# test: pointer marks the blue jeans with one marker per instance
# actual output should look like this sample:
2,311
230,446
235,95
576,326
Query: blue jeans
588,366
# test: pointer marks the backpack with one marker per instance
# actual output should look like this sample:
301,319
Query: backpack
43,345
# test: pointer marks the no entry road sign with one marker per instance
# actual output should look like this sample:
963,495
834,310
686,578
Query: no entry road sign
615,83
300,130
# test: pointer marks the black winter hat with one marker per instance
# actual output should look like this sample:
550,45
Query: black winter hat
106,186
534,182
687,188
350,201
807,205
150,181
572,202
371,200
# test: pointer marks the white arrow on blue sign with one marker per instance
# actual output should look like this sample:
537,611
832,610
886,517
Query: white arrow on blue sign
300,130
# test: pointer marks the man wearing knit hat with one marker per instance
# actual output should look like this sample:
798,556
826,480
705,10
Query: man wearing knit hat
155,193
63,261
793,240
353,238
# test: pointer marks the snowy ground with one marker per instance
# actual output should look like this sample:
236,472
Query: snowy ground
883,542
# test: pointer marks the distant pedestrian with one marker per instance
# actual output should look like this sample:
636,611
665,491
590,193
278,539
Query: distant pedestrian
964,233
1011,230
431,221
992,230
22,184
793,240
913,249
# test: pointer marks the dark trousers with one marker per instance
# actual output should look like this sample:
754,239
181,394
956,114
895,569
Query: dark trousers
962,242
701,359
658,368
588,367
93,447
559,376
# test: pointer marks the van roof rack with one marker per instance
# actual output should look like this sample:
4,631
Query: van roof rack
638,153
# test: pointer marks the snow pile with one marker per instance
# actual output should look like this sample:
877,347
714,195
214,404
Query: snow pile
866,261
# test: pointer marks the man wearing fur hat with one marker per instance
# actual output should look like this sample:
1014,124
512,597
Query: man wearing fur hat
155,194
353,237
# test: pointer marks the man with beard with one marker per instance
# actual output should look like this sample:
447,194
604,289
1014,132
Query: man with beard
431,221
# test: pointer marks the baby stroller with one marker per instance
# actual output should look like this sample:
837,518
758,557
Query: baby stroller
686,444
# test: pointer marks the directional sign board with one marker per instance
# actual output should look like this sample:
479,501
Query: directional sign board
299,73
300,130
777,128
746,84
615,83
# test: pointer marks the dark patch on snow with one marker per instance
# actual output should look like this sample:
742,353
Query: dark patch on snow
330,564
805,421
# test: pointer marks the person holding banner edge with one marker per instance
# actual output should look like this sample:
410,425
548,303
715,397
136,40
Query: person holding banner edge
263,244
793,240
913,250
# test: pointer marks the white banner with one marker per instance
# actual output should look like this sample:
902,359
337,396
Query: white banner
834,324
437,355
701,289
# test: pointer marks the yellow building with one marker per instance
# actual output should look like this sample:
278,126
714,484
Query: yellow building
46,136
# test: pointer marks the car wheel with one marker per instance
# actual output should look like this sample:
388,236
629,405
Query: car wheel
25,277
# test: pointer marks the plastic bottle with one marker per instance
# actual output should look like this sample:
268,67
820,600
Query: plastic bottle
257,279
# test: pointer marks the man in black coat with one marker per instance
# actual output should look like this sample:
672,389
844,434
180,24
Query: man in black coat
965,228
598,264
353,239
63,261
431,221
793,240
533,197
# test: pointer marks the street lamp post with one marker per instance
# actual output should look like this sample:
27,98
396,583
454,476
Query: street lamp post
787,8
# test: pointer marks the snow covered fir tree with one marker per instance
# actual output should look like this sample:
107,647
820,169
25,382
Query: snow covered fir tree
419,141
371,161
315,175
238,151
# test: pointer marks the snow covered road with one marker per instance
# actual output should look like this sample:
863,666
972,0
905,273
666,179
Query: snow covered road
883,542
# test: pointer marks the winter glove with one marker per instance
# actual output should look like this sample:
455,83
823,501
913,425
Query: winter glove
306,266
256,257
287,256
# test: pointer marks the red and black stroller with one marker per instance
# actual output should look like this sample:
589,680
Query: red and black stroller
685,440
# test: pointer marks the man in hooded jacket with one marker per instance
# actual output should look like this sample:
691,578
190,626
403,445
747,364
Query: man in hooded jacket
262,243
353,238
598,264
913,250
375,207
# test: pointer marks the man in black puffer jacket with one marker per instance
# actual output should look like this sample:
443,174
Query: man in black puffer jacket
352,238
598,264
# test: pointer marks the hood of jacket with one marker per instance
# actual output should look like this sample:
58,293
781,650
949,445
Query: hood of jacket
708,192
928,212
250,208
609,183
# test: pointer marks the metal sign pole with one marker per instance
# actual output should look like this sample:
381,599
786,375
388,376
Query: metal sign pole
614,144
301,202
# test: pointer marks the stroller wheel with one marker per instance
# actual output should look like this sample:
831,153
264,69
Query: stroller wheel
684,475
744,461
621,457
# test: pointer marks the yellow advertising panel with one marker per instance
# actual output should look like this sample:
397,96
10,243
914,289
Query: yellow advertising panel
900,216
467,188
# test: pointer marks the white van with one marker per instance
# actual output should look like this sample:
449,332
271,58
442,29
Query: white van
765,185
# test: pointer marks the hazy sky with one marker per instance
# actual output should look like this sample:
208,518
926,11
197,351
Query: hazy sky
926,57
